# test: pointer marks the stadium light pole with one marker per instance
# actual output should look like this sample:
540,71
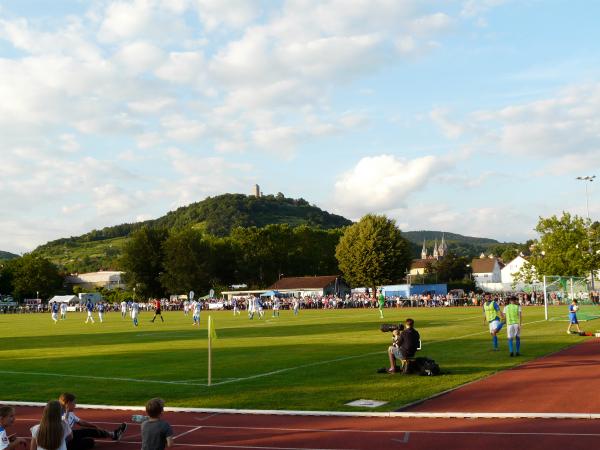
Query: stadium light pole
588,179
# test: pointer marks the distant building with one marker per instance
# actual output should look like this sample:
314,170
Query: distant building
308,286
486,270
300,287
419,266
509,271
439,251
257,192
104,279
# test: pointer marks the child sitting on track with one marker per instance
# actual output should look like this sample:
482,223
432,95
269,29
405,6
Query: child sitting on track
83,438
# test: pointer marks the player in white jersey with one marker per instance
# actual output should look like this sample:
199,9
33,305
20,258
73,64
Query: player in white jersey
196,308
135,310
276,305
123,309
186,307
251,307
296,306
101,308
63,311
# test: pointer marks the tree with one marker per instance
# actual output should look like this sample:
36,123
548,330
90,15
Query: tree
373,252
34,275
188,262
564,246
142,261
449,268
7,275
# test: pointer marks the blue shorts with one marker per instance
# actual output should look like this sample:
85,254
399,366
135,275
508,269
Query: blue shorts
573,318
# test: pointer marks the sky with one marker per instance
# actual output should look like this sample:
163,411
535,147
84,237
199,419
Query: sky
467,116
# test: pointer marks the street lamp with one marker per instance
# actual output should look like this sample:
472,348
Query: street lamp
588,179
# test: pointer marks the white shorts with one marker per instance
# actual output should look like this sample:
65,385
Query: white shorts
494,325
134,315
513,330
54,316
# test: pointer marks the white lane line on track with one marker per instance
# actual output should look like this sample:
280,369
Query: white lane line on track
362,431
187,432
241,446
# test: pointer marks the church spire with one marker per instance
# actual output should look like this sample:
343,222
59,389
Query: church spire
443,249
424,251
436,253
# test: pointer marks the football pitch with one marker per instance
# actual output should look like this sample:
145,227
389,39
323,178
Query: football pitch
318,360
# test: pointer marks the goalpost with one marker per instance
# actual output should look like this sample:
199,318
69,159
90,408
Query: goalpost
560,291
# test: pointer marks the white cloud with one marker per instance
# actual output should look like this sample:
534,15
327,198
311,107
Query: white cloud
180,128
381,183
183,67
139,57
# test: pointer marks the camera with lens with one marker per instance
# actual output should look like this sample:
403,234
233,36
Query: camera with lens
389,327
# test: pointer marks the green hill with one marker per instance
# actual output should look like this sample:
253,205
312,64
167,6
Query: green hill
100,249
7,255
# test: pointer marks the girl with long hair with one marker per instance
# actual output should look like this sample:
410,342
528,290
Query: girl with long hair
52,432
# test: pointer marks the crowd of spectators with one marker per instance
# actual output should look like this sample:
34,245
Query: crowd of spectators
356,300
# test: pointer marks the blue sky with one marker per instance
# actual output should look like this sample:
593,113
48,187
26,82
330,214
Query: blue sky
467,116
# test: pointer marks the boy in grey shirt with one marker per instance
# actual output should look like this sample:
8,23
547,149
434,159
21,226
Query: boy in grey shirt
156,433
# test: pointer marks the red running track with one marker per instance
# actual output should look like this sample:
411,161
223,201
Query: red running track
565,382
234,431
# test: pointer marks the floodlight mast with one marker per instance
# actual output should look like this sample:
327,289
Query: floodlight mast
590,179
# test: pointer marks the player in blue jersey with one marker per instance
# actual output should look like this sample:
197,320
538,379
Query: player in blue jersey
492,317
54,309
89,306
573,308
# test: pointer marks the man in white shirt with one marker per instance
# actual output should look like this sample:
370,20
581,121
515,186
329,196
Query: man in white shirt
123,309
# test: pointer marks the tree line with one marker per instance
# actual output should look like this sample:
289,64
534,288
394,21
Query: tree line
371,252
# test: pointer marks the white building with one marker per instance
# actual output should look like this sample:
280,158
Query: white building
105,278
509,271
486,270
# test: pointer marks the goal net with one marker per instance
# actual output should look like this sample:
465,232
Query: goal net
559,292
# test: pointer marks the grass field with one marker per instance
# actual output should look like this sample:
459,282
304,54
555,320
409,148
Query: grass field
319,360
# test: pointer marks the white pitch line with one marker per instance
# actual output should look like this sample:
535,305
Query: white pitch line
233,380
92,377
345,358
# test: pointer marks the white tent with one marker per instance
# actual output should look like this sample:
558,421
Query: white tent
69,299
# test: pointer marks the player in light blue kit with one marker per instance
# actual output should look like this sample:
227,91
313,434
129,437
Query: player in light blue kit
196,308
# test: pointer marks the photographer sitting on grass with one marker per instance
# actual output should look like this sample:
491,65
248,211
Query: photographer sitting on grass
404,344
